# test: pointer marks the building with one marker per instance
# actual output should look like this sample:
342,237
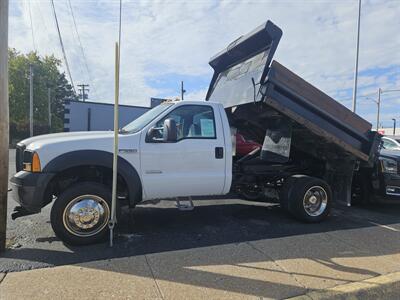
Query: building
389,131
92,116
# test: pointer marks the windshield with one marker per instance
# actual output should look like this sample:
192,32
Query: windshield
137,124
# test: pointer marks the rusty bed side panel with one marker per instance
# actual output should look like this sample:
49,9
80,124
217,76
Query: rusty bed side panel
345,142
298,86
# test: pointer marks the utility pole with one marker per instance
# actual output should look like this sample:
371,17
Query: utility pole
183,91
82,91
379,109
30,100
49,106
378,102
394,126
356,63
4,122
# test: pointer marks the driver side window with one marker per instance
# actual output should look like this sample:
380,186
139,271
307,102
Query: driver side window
192,122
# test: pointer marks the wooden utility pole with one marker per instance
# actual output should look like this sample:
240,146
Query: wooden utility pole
379,109
356,62
83,89
49,106
183,91
4,125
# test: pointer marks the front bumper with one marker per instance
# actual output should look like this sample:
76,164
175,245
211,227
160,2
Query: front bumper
29,190
389,187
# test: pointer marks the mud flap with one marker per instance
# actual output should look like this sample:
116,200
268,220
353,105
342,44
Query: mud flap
340,178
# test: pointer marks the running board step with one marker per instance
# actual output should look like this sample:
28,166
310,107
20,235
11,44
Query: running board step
184,205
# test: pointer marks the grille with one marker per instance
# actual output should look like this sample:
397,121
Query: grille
19,157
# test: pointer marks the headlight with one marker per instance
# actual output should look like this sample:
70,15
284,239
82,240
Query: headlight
388,165
31,162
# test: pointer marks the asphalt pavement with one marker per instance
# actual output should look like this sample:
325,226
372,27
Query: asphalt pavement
227,237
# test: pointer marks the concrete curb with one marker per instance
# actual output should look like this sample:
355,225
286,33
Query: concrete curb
380,287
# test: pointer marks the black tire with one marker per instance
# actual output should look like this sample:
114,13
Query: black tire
285,192
70,227
301,191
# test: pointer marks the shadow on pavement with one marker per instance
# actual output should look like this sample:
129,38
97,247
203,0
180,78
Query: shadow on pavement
267,229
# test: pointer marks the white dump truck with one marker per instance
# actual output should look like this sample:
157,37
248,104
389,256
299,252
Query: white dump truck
311,146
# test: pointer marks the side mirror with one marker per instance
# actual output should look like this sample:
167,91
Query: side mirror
169,131
153,134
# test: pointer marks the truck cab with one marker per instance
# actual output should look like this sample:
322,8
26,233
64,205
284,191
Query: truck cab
178,149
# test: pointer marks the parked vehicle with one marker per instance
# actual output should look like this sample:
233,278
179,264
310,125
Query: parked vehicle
244,146
380,183
310,146
390,143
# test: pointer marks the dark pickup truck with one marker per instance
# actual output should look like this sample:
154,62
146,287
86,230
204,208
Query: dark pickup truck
381,183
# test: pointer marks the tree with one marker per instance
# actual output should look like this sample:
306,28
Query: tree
46,74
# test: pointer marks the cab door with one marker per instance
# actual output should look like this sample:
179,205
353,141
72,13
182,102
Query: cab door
194,164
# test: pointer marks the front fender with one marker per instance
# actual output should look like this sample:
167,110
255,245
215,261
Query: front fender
102,159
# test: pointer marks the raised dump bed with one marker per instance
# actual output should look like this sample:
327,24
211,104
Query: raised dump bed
257,91
296,123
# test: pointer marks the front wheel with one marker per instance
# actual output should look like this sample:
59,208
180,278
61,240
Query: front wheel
308,199
81,213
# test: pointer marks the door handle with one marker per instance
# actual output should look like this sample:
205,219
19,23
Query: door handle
219,152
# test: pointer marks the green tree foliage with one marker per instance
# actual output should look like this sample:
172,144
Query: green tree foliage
46,74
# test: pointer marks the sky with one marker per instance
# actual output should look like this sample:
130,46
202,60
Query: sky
164,42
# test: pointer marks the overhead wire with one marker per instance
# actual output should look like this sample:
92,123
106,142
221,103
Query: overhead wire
75,41
43,20
32,30
79,41
62,47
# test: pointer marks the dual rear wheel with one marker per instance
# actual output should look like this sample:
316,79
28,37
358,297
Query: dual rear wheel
307,198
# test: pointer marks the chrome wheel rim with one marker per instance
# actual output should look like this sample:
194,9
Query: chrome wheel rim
86,215
315,201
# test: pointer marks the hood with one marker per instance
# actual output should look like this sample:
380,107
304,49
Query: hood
52,145
55,136
395,154
241,68
37,142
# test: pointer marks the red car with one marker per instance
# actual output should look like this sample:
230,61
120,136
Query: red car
244,146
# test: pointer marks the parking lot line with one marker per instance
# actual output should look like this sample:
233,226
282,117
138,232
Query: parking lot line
384,226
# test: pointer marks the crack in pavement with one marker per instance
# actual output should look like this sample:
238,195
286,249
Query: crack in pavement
2,277
154,278
278,265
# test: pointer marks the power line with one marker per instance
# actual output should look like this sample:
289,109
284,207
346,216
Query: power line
362,96
32,31
79,41
120,28
62,47
75,41
41,16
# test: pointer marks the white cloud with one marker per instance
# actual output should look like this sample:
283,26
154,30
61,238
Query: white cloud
178,37
197,95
